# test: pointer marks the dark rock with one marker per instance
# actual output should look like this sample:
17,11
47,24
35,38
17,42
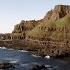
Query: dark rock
6,66
39,67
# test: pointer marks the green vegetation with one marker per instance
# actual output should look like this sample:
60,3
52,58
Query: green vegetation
57,30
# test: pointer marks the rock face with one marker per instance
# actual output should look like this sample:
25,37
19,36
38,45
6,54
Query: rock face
20,30
54,24
38,67
36,28
59,12
6,36
23,30
6,66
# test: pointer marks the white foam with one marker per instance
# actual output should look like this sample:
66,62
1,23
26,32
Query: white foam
35,55
22,51
0,47
48,66
3,47
48,57
14,61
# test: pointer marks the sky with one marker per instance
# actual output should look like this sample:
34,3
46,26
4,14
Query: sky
13,11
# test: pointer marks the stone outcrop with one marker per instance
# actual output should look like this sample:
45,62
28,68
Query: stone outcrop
6,36
39,67
58,12
21,30
5,65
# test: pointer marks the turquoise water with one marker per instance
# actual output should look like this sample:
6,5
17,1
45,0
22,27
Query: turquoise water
24,60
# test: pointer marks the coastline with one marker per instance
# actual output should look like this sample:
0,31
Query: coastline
48,36
34,47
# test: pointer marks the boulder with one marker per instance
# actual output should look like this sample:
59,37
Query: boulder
39,67
6,65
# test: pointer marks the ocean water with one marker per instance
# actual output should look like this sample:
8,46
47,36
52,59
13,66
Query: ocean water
24,60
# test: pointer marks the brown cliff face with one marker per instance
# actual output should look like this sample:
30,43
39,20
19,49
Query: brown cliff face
34,28
58,12
25,26
6,36
21,29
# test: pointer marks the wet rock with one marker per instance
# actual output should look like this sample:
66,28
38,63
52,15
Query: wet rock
39,67
6,65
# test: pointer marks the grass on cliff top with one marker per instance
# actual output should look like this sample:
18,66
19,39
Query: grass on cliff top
56,30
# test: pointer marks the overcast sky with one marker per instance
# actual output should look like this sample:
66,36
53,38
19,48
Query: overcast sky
13,11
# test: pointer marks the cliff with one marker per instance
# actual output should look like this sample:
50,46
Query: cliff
39,29
21,29
58,12
6,36
53,23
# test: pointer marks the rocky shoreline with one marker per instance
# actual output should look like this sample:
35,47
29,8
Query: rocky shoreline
45,37
39,48
7,64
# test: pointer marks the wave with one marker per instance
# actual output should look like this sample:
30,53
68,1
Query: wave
10,49
14,61
3,47
22,50
35,55
48,57
9,60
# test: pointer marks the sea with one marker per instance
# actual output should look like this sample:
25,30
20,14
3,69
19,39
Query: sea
24,60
